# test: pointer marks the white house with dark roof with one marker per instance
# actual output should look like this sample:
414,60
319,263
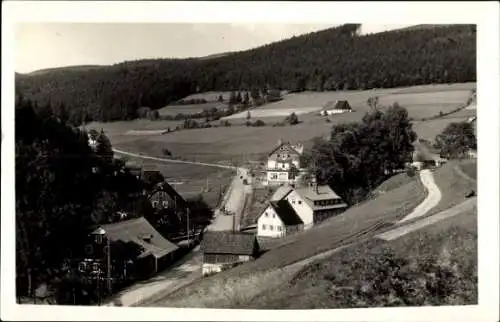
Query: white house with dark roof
278,220
283,164
315,203
337,107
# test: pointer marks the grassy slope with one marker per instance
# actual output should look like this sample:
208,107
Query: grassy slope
331,234
334,282
453,186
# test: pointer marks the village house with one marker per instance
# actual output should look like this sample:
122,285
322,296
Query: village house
315,203
164,196
283,164
423,158
155,252
331,108
278,220
225,249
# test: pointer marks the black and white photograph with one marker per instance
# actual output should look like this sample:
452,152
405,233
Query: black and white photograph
257,166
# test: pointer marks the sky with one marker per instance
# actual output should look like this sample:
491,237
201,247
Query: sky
48,45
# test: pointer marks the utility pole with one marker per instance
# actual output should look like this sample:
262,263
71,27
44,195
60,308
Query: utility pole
108,253
187,224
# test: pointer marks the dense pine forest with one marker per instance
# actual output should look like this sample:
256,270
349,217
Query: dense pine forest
334,59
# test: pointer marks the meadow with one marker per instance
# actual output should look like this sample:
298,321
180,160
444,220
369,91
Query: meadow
238,142
173,110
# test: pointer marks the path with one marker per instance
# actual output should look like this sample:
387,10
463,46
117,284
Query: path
234,202
432,199
182,273
450,212
136,155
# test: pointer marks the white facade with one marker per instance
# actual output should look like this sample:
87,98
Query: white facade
269,224
303,210
332,112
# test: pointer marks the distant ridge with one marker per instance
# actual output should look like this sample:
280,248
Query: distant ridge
65,68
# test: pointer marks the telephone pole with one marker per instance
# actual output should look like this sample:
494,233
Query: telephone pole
187,224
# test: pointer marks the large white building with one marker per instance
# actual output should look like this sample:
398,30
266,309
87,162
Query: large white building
283,164
295,209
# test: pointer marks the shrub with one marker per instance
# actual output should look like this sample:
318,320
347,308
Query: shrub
328,120
167,152
292,119
259,123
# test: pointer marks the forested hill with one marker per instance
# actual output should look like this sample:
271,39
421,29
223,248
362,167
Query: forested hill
336,58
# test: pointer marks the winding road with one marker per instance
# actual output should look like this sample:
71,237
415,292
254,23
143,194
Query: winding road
432,199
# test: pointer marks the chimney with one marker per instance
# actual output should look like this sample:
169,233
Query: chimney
314,184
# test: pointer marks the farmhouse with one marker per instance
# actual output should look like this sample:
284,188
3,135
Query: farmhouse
423,158
226,249
156,252
315,203
337,107
283,164
278,220
166,197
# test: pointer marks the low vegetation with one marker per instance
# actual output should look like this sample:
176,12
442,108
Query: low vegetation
436,266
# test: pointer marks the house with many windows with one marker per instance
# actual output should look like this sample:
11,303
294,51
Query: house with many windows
283,164
278,220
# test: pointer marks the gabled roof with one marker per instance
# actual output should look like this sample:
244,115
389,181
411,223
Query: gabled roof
286,213
133,230
311,194
337,105
281,193
284,145
228,242
169,190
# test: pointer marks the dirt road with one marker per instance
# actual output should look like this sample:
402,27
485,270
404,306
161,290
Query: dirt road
173,278
450,212
234,203
432,199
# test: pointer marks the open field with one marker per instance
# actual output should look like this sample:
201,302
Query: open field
421,101
191,180
209,96
233,143
431,128
173,110
427,104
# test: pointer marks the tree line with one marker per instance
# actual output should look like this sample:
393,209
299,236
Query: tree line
334,59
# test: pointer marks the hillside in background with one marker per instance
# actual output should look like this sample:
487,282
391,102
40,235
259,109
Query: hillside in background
332,59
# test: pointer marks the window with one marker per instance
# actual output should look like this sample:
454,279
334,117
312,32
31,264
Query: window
263,227
155,203
279,228
279,155
274,216
165,204
300,202
288,155
274,176
271,227
82,267
266,214
283,165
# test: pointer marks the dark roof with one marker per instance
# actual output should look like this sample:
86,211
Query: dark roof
286,213
285,146
169,190
228,242
133,230
338,105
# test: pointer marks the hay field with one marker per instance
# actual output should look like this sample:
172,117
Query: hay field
428,104
173,110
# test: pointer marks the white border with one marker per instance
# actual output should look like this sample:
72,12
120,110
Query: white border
485,14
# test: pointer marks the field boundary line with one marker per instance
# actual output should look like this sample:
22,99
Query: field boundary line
136,155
